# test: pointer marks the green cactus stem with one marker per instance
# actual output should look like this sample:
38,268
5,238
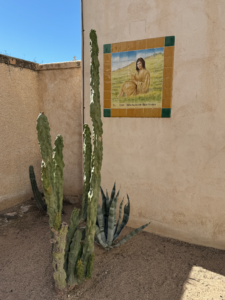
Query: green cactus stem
96,160
90,265
87,168
73,255
74,222
80,269
51,171
37,195
59,242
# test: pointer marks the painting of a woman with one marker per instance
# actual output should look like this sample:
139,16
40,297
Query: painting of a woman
139,83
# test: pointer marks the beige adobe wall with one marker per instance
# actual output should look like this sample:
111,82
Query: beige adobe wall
19,103
26,89
60,99
173,169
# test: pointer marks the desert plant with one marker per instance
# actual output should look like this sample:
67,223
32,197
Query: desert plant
73,257
37,194
107,228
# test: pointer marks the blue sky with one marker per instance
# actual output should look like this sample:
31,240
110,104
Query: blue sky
123,59
42,31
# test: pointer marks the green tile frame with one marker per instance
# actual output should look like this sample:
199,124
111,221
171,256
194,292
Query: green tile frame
169,41
107,48
107,112
166,113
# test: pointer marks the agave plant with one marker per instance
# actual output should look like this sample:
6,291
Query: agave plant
108,228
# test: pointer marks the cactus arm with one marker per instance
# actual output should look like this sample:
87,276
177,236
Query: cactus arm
44,137
79,270
125,218
96,162
73,255
74,222
58,171
59,242
37,195
51,170
58,166
90,265
44,140
87,149
101,223
130,235
48,192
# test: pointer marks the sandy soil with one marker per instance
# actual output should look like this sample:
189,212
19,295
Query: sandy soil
146,267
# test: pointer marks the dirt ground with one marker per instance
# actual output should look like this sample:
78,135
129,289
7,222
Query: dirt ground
146,267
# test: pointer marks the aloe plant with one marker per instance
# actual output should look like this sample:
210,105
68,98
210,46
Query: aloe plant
108,228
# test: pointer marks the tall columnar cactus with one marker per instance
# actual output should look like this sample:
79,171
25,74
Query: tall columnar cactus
51,171
73,258
96,158
87,168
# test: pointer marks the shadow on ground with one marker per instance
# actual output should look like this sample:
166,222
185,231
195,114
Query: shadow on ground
146,267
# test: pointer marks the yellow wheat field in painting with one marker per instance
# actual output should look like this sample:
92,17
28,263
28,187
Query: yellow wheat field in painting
151,99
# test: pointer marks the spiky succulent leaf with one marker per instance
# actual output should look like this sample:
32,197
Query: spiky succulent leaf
112,213
103,202
125,218
99,238
115,204
112,194
107,203
130,235
120,213
100,219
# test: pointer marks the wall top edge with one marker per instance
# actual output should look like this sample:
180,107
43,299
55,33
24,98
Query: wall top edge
17,62
25,64
61,65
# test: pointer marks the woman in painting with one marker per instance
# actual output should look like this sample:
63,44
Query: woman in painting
139,83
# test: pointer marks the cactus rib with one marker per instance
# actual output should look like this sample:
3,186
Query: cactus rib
37,195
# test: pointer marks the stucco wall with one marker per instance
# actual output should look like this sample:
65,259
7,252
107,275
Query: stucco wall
60,99
19,102
26,89
173,169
